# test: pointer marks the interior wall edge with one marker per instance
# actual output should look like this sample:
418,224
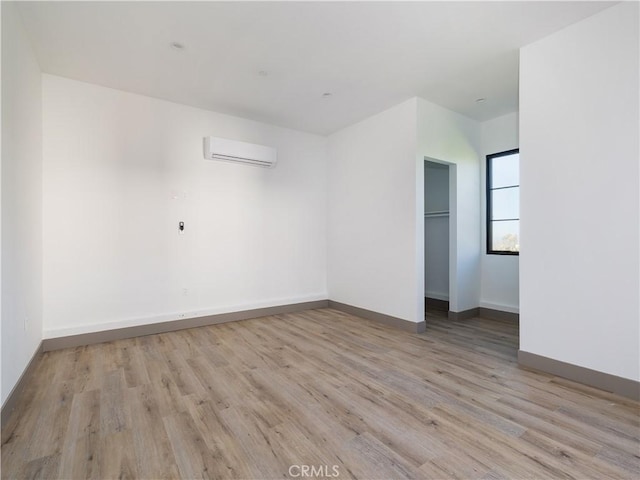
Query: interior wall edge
67,331
501,307
11,401
593,378
406,325
90,338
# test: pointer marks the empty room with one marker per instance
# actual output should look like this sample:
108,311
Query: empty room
337,240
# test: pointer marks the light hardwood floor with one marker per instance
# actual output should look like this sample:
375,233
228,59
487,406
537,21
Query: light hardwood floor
320,388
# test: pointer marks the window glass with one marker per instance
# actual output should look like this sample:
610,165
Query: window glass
505,203
506,236
505,171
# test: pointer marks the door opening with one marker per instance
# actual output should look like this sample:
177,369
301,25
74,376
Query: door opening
436,237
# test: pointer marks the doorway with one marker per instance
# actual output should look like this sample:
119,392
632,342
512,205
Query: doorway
437,179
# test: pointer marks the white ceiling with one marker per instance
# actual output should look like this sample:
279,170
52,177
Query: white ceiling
369,55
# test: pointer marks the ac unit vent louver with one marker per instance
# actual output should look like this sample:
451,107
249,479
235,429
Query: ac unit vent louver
226,150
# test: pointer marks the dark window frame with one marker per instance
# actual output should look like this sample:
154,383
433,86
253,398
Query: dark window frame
489,189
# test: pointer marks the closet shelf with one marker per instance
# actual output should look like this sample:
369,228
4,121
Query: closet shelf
444,213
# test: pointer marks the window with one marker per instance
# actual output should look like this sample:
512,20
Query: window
503,203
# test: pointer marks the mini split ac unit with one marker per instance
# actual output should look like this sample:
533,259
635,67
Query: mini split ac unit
216,148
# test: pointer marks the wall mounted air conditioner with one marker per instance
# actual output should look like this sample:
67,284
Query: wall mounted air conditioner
216,148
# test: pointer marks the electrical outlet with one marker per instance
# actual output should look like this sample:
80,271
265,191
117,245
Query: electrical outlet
182,315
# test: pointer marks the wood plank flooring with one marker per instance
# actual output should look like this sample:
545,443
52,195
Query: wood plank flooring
262,398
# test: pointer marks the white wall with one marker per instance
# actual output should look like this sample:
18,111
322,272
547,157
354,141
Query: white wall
21,200
452,138
436,231
579,265
499,285
121,170
372,209
376,204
